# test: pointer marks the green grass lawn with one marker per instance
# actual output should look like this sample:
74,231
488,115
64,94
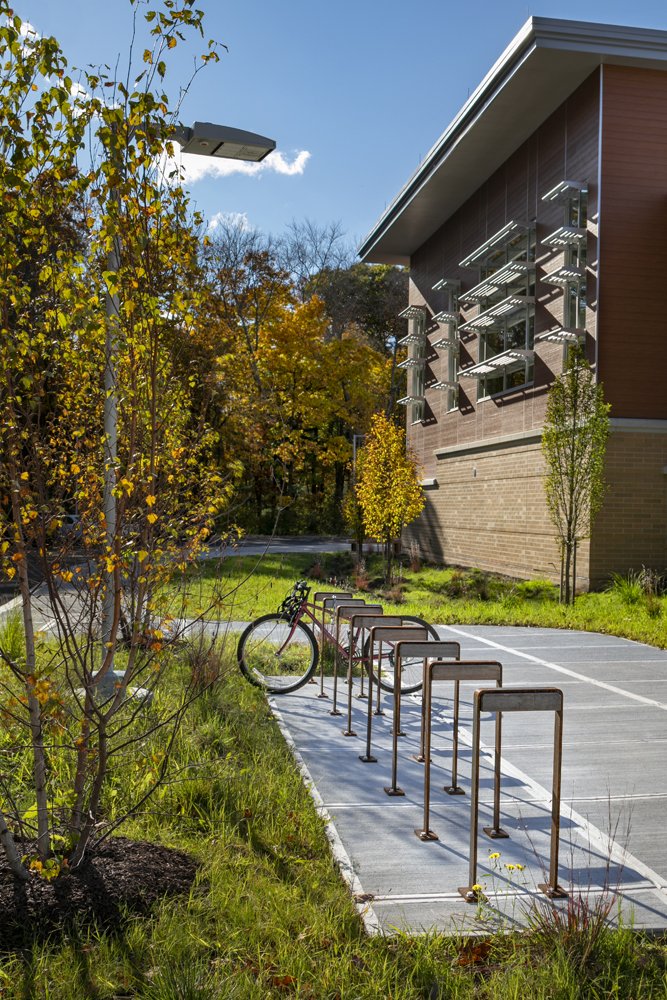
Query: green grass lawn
270,916
241,588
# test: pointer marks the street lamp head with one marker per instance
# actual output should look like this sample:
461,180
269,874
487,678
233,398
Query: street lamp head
207,139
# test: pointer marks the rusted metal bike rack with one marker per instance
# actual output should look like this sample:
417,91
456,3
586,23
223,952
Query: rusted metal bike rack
378,635
320,597
342,610
329,604
364,620
457,671
518,700
434,649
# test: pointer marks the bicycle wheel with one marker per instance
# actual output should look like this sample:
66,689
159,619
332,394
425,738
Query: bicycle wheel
276,655
411,669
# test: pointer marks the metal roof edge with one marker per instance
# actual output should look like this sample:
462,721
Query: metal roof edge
498,71
610,40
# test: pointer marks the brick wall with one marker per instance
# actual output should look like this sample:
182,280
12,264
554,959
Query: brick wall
631,529
489,511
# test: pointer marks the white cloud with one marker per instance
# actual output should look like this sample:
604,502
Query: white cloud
236,220
27,29
197,167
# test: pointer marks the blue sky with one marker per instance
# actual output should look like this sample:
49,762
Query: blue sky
355,93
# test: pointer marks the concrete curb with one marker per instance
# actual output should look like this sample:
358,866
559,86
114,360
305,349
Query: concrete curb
341,857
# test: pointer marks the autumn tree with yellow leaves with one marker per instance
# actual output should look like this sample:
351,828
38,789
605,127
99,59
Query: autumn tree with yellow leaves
388,488
286,395
100,285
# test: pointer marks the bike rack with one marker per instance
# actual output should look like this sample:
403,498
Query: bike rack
380,634
328,605
434,649
364,619
518,700
461,670
321,597
342,609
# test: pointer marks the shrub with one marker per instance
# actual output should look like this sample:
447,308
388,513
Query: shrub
316,572
456,586
360,577
642,587
541,590
414,557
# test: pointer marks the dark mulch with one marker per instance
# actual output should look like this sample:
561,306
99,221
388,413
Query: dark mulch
121,876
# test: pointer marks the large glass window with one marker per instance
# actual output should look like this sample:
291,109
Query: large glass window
518,334
515,332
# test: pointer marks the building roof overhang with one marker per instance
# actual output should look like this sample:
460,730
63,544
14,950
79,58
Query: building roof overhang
546,61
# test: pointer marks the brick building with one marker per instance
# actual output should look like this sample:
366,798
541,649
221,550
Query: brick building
538,219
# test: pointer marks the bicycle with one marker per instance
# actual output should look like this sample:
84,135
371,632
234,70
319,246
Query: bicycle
279,652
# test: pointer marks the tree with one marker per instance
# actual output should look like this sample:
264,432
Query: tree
286,396
574,442
66,714
388,487
309,252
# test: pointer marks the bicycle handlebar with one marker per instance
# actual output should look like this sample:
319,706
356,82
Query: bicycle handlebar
295,598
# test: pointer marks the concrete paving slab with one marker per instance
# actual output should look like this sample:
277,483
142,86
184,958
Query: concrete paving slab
614,789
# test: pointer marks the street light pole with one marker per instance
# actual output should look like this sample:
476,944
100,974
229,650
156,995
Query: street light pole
202,139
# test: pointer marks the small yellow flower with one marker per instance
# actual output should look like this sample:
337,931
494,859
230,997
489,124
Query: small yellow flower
150,500
477,887
510,868
495,854
25,477
151,518
520,867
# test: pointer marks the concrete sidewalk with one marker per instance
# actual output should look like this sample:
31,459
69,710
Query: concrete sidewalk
614,787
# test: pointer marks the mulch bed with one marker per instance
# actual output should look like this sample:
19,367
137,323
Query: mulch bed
120,877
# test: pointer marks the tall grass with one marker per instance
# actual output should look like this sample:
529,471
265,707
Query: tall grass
269,915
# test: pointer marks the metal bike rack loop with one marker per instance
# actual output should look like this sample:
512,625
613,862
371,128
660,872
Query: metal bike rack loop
457,671
378,635
341,610
364,619
518,700
328,606
321,597
434,649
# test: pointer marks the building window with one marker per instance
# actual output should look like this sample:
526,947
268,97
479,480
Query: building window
514,334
